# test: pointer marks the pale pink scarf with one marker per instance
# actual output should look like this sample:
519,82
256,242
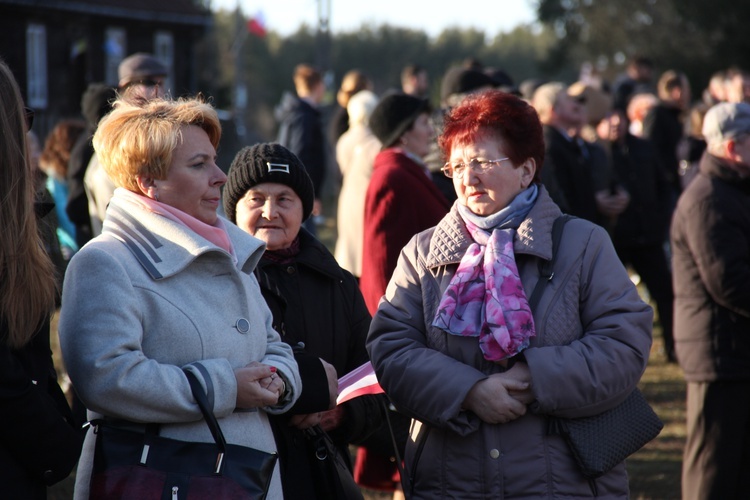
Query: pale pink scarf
216,234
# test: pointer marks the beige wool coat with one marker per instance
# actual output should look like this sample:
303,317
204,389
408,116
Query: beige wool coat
150,298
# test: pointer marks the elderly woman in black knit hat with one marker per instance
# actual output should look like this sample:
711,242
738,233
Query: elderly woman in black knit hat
317,309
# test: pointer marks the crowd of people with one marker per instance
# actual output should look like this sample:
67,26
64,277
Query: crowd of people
444,218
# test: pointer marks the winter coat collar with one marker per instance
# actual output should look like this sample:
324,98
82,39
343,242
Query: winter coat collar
315,256
42,208
164,247
450,239
713,166
291,104
393,155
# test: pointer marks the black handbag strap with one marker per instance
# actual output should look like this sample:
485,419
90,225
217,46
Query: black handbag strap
546,271
200,397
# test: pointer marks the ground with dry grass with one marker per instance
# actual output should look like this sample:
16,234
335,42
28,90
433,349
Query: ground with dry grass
655,470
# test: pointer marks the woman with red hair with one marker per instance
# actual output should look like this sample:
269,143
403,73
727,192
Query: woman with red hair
457,347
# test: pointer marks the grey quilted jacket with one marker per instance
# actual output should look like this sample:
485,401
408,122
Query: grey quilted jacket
592,345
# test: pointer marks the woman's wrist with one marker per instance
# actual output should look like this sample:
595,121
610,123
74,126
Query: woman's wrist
285,390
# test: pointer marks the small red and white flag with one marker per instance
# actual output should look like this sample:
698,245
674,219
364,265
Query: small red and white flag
257,25
361,381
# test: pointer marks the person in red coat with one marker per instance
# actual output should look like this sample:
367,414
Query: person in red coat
401,201
401,198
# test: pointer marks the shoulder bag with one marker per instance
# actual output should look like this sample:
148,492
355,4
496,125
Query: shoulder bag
333,477
600,442
132,465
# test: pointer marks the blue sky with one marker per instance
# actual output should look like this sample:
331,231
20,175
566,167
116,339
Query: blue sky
493,17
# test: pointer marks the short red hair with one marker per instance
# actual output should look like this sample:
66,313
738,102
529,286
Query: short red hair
496,113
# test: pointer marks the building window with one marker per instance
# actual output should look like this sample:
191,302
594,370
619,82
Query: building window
114,52
36,66
164,51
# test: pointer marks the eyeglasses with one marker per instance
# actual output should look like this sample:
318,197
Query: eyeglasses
148,83
457,170
29,117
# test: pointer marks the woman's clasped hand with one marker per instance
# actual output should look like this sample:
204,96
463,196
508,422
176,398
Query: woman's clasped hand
501,397
258,385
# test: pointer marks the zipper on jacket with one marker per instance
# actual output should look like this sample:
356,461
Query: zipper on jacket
417,455
175,489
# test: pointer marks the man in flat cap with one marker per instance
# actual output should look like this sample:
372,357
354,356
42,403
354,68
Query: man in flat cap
141,77
711,274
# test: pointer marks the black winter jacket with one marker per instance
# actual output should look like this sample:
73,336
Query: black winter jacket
646,219
663,126
711,268
39,442
317,304
301,132
569,176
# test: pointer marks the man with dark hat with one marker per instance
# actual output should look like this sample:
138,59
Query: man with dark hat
316,306
142,77
710,238
458,82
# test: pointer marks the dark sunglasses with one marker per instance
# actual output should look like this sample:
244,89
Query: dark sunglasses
29,117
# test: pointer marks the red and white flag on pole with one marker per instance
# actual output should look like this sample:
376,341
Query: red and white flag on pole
358,382
257,25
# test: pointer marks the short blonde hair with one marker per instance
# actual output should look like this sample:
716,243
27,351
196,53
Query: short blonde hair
140,140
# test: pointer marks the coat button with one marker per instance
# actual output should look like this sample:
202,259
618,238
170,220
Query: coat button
290,269
494,453
242,325
49,477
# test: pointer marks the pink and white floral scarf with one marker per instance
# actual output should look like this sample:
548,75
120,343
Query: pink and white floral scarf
485,297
